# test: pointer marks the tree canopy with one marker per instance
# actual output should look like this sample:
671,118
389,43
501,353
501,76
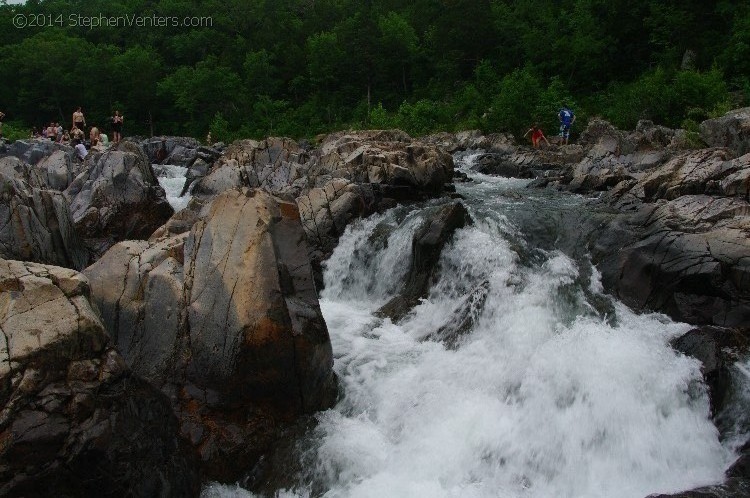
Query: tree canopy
303,67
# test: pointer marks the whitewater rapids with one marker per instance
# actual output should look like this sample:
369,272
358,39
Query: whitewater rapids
557,390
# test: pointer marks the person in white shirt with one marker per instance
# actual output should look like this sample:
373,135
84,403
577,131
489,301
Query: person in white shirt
81,151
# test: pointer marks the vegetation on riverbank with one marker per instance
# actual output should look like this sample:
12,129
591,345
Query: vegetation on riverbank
303,67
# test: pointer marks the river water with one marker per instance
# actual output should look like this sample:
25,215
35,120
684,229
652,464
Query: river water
172,179
555,389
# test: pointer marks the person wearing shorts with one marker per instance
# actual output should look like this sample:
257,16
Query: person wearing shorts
117,127
567,117
79,120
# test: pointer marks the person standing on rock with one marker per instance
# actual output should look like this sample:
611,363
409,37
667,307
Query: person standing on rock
567,117
117,127
537,135
78,119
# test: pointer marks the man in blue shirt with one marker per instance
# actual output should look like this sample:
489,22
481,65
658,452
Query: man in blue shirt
567,117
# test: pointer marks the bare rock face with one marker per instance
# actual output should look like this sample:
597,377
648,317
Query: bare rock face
33,151
226,321
471,140
117,198
278,165
388,157
54,172
325,211
36,224
74,421
684,249
731,130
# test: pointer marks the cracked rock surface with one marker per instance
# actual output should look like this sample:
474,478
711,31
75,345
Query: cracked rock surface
74,421
225,320
35,223
116,198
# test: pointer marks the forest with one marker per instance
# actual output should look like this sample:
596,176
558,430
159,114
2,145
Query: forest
303,67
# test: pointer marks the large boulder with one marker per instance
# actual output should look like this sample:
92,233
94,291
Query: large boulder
36,225
387,157
55,171
427,244
687,257
33,151
731,130
278,165
117,198
326,211
226,321
691,173
74,421
679,241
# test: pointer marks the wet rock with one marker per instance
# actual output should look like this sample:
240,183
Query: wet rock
686,257
427,244
73,423
717,349
226,321
117,198
463,319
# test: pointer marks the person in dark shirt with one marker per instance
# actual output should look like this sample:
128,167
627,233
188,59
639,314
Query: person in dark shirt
567,117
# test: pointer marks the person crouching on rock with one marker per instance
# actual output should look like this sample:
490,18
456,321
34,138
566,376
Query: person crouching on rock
80,149
537,135
77,134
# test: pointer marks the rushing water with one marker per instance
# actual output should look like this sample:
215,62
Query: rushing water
172,179
555,391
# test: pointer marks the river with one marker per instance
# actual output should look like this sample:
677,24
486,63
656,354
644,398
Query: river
555,389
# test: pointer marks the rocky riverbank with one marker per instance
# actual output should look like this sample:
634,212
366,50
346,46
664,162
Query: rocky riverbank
209,317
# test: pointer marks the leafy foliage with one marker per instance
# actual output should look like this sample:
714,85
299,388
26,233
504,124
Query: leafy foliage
302,67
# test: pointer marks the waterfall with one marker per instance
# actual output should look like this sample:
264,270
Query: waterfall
551,388
172,179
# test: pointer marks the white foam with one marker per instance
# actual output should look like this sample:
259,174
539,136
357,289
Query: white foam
542,398
172,179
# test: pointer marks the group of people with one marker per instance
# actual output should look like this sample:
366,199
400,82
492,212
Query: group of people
76,136
566,116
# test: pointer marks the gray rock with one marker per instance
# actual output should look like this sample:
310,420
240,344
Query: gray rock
75,421
33,151
226,321
731,130
117,198
427,244
37,225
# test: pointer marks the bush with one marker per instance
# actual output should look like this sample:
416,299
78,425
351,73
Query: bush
14,130
422,117
380,119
